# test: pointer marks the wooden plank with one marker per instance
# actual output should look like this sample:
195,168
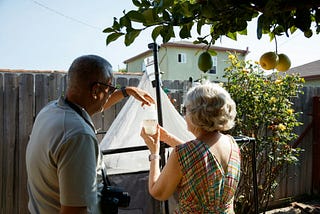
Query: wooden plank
26,104
2,160
52,84
63,85
41,92
306,156
9,139
58,85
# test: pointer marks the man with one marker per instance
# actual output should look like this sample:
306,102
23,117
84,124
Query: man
63,157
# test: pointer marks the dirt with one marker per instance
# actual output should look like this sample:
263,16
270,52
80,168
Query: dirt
299,207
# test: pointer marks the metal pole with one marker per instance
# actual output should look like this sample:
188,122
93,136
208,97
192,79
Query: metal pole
154,47
254,177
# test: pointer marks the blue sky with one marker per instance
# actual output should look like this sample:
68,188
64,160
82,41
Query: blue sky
48,35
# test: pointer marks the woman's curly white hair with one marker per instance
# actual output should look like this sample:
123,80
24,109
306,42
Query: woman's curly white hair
210,107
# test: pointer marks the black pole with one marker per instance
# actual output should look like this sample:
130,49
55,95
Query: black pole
254,178
154,47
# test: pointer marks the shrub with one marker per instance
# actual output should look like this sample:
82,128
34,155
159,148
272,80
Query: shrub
264,107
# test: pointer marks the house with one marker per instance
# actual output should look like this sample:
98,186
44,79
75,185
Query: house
179,61
310,72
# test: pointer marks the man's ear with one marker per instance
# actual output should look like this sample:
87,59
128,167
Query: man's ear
95,91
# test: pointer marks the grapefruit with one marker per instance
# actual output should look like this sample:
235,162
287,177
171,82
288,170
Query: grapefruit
284,62
269,60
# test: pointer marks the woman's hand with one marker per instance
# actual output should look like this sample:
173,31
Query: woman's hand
152,141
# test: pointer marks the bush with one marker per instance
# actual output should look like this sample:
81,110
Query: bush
264,112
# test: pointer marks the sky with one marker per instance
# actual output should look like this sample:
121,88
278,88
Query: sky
49,35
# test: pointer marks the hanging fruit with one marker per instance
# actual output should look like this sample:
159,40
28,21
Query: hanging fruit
284,62
205,61
271,60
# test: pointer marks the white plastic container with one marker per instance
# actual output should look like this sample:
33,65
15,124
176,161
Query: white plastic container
150,119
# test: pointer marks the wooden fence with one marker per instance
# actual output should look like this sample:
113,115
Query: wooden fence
298,182
22,95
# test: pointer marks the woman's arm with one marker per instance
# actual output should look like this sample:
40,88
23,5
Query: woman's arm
168,138
161,184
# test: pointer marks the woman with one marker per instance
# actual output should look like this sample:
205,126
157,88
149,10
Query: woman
205,171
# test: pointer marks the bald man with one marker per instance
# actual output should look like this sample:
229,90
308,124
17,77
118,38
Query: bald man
63,157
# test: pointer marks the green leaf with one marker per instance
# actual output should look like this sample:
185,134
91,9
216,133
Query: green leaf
148,16
212,52
185,31
166,16
112,37
186,10
116,24
167,33
200,23
131,36
108,30
260,26
243,32
135,16
125,22
232,35
156,32
136,3
167,3
293,29
271,36
145,3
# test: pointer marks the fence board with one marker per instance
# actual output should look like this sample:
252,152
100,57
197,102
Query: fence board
26,104
41,92
53,86
9,139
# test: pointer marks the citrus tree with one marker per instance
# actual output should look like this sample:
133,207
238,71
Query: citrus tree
223,17
264,112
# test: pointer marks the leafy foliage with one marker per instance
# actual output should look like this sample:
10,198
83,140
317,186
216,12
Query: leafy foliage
223,17
264,111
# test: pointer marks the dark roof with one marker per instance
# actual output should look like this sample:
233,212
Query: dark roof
308,71
186,44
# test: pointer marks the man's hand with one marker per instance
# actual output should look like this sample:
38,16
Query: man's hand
140,95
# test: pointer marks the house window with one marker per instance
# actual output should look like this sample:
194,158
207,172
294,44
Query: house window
182,58
213,69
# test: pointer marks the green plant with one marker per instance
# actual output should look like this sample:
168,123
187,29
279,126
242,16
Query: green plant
264,111
223,17
123,70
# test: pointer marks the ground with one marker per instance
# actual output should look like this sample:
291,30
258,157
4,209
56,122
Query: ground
312,206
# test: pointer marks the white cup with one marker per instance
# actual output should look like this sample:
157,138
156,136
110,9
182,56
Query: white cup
150,126
150,120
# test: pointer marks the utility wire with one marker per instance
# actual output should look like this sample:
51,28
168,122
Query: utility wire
65,16
290,38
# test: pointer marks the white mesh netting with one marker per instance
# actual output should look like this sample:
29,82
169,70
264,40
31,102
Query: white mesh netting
125,132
